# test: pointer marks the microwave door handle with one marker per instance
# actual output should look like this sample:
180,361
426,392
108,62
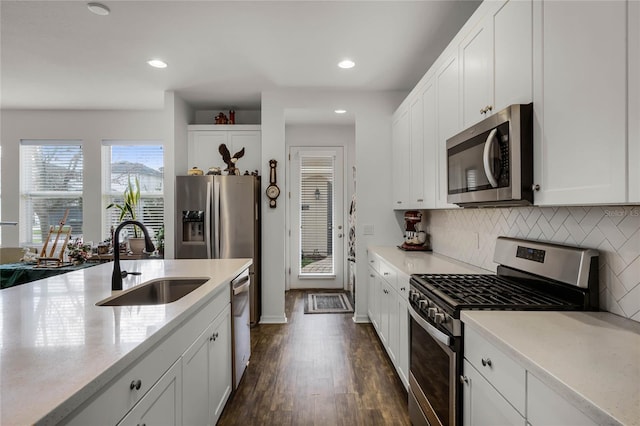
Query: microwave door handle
488,169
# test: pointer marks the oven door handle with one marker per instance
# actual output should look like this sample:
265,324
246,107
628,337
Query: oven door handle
434,332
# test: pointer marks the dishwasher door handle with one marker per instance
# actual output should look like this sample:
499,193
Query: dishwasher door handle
241,286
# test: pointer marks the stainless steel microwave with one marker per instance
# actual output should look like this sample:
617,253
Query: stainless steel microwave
491,163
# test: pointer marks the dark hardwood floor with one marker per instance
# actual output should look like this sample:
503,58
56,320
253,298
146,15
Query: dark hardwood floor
319,369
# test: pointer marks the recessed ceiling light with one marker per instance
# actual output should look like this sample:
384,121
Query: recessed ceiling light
340,111
157,63
346,64
98,9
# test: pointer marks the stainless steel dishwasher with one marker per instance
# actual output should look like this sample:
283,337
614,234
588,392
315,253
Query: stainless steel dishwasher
240,307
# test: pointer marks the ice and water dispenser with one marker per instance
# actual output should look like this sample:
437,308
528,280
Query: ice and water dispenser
192,225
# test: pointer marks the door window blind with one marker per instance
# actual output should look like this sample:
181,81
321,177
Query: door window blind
316,212
51,183
124,160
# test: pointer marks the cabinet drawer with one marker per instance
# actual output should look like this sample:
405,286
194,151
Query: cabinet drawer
374,261
546,407
389,274
501,371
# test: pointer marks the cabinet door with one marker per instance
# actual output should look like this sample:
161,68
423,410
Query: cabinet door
546,407
403,339
251,141
373,298
430,139
482,404
203,149
512,54
162,404
196,370
384,291
476,63
393,341
400,159
447,120
220,363
580,96
416,153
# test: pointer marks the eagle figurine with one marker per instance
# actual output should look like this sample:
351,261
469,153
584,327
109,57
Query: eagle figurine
231,161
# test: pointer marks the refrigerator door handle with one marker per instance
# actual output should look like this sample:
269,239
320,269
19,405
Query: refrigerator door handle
216,219
207,221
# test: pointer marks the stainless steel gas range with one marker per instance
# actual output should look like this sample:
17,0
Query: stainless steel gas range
531,275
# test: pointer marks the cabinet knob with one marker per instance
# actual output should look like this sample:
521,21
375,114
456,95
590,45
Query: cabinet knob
482,111
403,288
464,380
489,108
535,187
385,274
371,275
486,362
135,384
399,202
420,200
213,337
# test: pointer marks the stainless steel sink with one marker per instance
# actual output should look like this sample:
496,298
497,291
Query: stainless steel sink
155,292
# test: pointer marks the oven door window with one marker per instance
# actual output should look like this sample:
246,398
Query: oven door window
433,366
468,171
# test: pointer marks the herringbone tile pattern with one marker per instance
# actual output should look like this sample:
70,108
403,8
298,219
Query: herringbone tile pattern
469,235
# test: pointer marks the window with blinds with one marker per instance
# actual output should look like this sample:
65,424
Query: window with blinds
316,215
50,185
124,160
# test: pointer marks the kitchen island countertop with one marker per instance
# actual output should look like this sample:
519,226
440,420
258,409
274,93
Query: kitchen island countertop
592,359
58,347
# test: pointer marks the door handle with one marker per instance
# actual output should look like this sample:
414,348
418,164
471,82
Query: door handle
488,167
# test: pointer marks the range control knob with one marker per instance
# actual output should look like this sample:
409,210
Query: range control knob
423,303
438,318
431,313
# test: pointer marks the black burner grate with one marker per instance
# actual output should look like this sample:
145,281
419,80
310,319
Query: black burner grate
489,291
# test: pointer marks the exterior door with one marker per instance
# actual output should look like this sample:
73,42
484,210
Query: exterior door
316,218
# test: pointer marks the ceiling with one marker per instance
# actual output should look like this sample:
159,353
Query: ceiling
221,54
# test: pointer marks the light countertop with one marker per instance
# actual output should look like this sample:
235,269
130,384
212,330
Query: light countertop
414,262
592,359
58,347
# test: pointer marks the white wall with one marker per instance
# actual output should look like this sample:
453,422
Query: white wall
89,126
372,112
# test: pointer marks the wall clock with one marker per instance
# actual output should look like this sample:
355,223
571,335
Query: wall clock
272,190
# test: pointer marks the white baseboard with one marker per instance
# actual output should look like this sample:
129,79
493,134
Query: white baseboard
273,319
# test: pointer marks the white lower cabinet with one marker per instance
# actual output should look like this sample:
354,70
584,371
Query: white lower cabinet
162,405
207,386
185,379
387,308
483,404
497,390
546,407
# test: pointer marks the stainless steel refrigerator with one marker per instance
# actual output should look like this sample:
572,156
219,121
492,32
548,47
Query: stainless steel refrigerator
218,217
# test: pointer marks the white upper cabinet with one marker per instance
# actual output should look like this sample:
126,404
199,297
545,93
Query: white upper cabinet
416,152
204,142
430,139
496,61
401,153
447,121
476,58
580,98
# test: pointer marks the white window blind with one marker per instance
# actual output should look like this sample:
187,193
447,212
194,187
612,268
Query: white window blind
316,213
124,160
51,183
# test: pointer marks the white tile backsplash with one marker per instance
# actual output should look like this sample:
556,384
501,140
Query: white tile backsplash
469,235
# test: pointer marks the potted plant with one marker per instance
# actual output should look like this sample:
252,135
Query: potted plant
160,240
128,209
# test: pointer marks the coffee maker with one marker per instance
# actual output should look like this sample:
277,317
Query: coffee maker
415,237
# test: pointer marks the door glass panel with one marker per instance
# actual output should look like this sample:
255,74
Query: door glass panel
316,215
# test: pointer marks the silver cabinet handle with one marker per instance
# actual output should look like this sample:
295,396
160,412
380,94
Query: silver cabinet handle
486,362
399,202
420,200
535,187
464,380
135,384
